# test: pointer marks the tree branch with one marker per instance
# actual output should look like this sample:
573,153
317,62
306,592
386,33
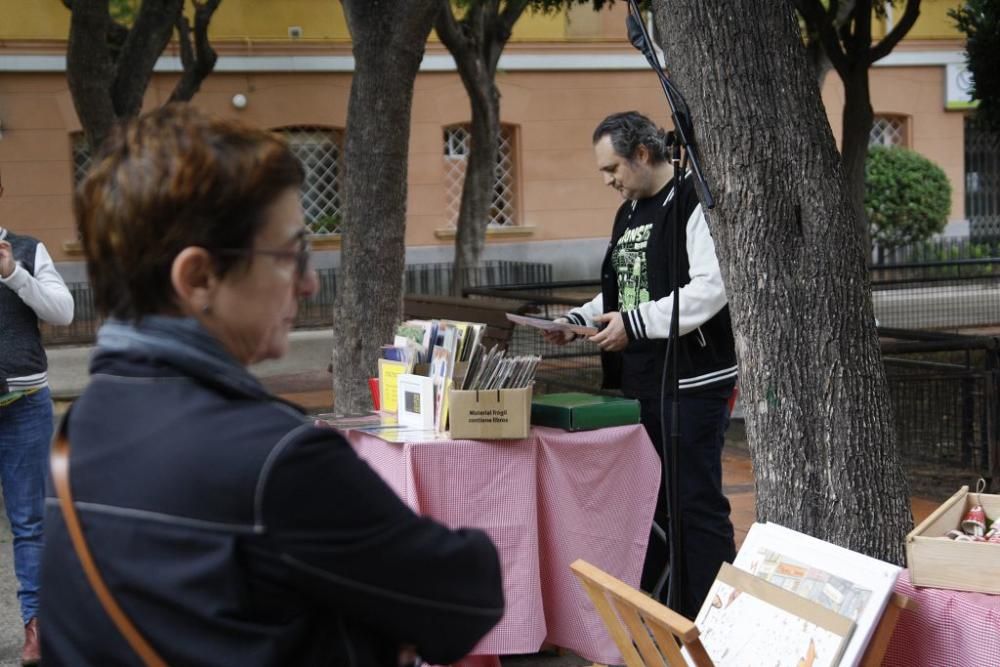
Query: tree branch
447,28
511,13
897,33
199,62
147,39
820,22
861,44
505,26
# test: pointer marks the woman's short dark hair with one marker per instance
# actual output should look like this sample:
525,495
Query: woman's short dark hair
171,179
630,129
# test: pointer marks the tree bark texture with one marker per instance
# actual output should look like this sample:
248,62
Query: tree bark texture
108,65
90,68
476,42
388,41
812,382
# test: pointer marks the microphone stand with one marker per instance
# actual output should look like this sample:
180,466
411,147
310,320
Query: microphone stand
684,134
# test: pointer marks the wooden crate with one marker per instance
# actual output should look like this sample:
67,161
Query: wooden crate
944,563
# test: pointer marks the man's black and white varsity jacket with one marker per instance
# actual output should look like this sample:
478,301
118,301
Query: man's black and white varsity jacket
706,355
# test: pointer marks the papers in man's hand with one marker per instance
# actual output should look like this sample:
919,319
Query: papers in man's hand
549,325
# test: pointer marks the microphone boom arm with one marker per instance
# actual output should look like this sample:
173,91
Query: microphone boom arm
678,106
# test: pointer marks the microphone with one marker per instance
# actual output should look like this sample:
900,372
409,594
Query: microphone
635,33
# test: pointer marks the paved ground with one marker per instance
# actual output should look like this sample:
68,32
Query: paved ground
11,634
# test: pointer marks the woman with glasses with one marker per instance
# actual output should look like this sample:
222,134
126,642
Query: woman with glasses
223,524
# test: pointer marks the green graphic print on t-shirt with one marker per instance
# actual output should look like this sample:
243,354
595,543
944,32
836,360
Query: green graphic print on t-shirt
629,260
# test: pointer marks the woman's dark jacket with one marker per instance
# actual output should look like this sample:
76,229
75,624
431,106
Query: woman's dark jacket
233,531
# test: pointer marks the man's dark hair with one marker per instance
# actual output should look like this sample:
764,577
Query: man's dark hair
629,130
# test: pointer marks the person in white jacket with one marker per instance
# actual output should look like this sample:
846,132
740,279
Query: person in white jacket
633,312
30,290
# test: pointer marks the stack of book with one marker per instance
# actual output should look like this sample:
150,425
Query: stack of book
430,358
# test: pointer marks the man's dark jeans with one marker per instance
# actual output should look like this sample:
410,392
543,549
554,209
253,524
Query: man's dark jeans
707,532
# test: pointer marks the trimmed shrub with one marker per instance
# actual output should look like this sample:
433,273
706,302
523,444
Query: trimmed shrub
907,197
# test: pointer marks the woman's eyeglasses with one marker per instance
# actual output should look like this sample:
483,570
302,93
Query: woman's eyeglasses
300,256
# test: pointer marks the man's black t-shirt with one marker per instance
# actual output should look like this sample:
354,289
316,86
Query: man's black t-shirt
641,360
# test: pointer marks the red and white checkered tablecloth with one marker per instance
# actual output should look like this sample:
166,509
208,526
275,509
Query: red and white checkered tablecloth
546,501
947,629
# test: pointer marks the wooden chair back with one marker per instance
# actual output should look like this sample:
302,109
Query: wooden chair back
647,633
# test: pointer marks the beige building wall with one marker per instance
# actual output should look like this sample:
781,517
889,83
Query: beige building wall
560,197
918,94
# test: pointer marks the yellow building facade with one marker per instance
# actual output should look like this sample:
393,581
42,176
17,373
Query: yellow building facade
287,65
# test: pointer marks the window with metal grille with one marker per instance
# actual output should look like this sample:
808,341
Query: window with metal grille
81,156
503,212
319,149
888,131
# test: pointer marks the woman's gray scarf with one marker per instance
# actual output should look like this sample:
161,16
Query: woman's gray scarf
182,343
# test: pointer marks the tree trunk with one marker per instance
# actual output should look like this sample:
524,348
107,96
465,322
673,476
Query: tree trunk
477,190
388,41
90,69
817,411
476,44
108,66
857,127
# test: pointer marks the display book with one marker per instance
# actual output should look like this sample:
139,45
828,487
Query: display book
576,411
791,599
429,365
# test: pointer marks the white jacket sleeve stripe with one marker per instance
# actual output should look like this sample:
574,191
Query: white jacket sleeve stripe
585,314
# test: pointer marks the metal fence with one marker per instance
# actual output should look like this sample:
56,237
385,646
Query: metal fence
946,296
85,320
944,388
574,366
982,179
945,393
317,311
944,249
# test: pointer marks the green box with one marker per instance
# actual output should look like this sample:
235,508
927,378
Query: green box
580,412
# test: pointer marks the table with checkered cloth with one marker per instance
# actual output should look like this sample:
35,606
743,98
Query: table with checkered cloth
946,628
546,501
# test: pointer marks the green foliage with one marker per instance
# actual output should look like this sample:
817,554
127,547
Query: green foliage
980,21
326,224
123,11
907,197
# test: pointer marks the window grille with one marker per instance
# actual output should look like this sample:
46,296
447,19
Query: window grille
888,131
456,157
319,151
82,157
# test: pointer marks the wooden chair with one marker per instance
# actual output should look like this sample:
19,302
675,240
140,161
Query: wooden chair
646,632
634,621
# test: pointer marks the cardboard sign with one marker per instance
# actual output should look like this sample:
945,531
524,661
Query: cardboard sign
494,414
